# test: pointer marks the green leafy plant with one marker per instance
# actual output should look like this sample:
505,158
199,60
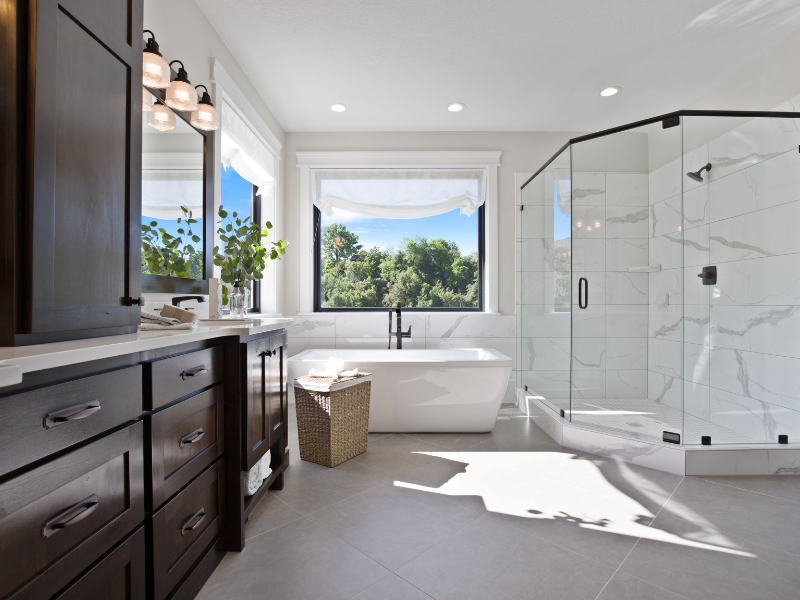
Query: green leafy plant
243,257
172,255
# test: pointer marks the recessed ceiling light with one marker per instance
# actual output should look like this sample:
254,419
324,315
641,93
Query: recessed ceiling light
338,107
456,107
610,91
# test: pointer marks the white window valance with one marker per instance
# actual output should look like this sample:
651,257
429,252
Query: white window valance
242,150
399,193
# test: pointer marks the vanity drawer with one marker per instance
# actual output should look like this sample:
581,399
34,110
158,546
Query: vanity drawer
178,376
41,422
119,576
58,519
184,439
185,527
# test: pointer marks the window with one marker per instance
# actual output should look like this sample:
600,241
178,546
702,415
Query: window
240,196
399,234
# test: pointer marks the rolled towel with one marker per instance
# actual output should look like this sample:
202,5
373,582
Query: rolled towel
173,312
153,321
256,476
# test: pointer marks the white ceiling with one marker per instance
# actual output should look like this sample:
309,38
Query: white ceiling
518,65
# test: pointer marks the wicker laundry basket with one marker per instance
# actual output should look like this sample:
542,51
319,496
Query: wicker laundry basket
332,418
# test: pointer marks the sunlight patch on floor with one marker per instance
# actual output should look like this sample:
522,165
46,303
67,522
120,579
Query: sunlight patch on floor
517,484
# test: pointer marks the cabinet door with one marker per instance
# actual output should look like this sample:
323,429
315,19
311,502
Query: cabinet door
257,359
84,98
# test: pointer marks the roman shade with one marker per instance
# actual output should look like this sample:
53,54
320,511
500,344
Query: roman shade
244,151
399,193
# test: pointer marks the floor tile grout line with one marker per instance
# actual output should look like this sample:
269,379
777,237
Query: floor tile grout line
389,574
735,535
475,520
736,487
636,543
247,539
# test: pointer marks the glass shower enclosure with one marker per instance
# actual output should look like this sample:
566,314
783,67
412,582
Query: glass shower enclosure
659,279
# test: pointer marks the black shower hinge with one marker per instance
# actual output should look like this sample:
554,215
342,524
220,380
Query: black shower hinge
670,122
783,439
521,207
705,440
671,437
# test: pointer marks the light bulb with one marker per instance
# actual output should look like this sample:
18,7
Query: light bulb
610,91
597,224
338,107
456,107
588,228
579,224
161,118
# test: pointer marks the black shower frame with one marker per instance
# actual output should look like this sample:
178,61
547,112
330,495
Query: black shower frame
744,114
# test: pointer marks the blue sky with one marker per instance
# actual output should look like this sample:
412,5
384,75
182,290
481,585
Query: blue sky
562,224
385,233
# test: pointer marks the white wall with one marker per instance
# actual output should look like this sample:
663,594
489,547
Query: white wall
520,152
184,33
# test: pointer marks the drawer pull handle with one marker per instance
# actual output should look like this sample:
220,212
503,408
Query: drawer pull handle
191,438
195,372
74,514
73,413
194,521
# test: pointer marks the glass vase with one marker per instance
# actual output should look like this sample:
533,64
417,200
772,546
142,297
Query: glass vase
237,300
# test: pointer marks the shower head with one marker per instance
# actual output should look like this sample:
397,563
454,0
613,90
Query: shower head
698,175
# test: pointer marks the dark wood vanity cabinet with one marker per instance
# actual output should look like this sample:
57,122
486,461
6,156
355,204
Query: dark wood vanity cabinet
70,210
265,363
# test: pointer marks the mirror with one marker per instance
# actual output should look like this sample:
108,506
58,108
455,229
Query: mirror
177,201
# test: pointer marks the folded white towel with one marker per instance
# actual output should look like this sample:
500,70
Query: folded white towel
315,373
153,321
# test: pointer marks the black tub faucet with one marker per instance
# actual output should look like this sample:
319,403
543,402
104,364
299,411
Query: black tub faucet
399,333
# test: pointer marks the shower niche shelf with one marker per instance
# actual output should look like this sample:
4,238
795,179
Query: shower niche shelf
644,269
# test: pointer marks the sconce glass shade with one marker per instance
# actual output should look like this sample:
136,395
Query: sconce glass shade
161,118
155,71
181,96
206,117
147,101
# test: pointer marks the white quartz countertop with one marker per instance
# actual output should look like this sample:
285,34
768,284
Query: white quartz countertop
24,359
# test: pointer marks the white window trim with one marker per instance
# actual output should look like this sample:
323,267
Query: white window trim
400,159
225,88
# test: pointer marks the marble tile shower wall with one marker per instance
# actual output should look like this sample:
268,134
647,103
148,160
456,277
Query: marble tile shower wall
367,331
741,345
610,335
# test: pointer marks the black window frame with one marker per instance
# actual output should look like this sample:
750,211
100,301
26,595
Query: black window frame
317,252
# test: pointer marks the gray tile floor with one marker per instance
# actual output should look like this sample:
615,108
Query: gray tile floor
511,515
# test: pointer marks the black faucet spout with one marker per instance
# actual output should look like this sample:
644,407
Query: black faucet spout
399,333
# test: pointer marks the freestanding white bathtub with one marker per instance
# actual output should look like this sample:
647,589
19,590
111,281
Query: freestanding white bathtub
447,391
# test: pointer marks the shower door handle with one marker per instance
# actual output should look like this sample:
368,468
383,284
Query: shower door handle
583,285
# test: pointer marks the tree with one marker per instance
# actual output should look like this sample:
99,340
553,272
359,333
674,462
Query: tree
420,273
339,244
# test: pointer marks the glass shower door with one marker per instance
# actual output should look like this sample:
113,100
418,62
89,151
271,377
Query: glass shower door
545,304
626,282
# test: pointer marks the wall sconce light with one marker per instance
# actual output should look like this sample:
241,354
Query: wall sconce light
155,70
206,117
180,94
147,101
161,118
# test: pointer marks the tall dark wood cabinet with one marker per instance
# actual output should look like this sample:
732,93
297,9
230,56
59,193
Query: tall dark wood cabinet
70,193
